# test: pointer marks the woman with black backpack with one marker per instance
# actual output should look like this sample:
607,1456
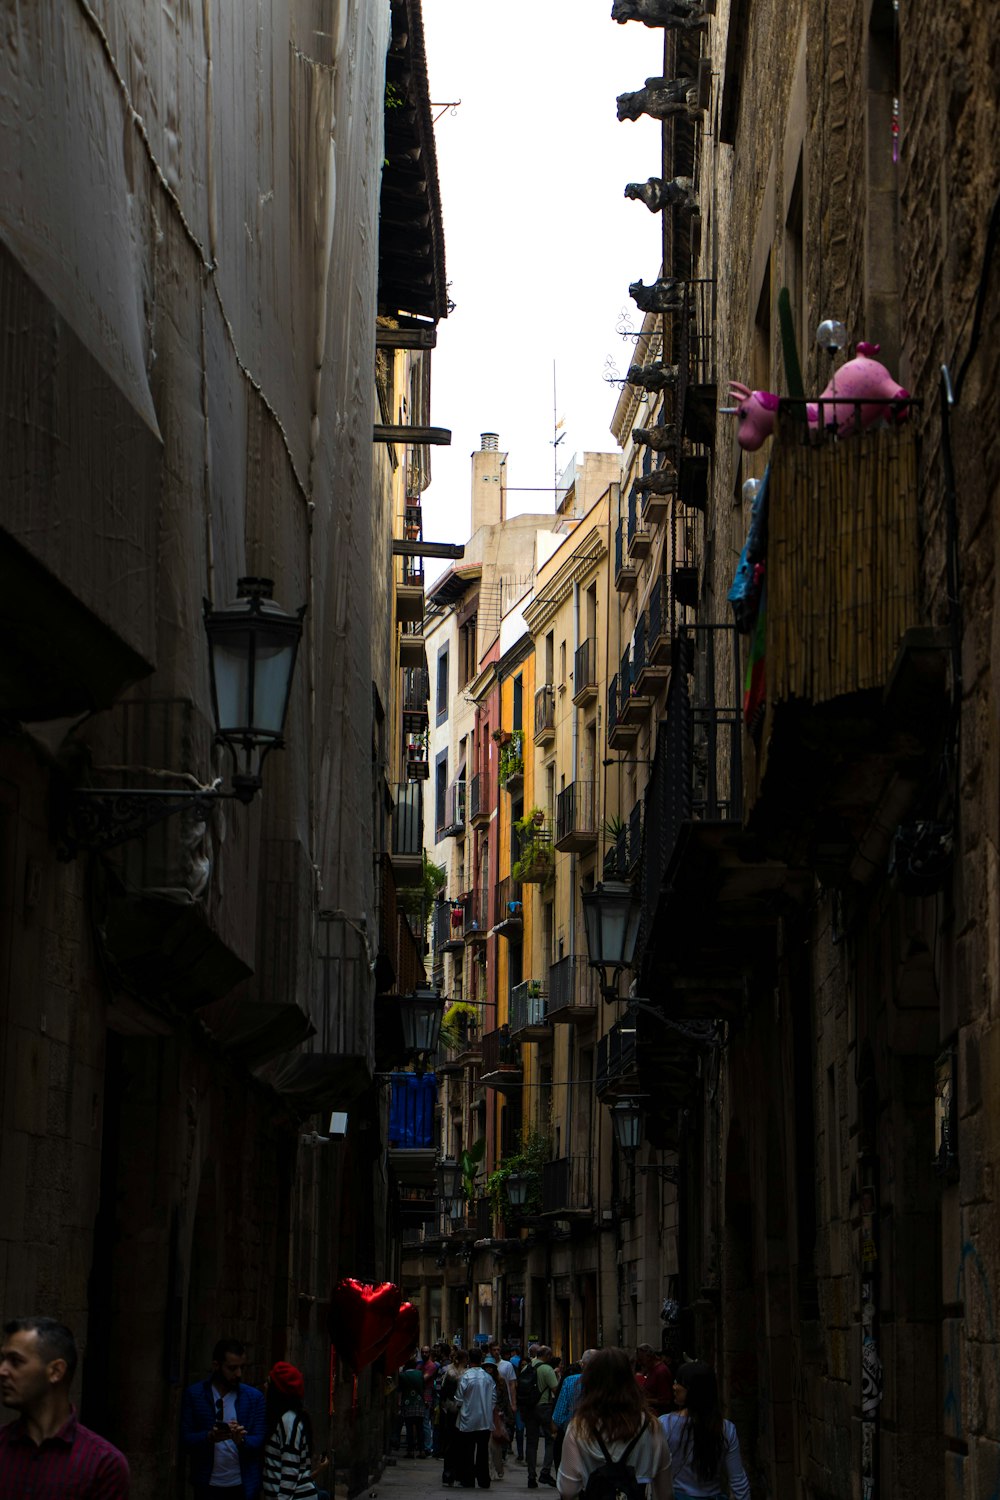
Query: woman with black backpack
613,1446
703,1445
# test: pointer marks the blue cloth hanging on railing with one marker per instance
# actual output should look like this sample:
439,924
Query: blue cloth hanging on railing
411,1112
745,593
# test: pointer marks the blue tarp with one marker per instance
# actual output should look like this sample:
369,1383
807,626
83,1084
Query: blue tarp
411,1111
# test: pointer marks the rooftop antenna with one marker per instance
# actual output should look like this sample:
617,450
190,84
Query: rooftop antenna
557,437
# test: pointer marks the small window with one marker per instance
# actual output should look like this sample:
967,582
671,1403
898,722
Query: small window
467,651
441,790
441,701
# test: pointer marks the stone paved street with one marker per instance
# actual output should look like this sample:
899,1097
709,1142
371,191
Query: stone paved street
415,1479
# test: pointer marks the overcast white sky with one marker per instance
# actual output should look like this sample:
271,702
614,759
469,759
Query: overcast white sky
540,242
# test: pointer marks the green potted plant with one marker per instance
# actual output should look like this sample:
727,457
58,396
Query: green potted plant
512,759
533,1152
458,1021
536,861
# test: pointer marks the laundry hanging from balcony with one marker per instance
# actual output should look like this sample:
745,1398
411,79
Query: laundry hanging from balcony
748,597
411,1112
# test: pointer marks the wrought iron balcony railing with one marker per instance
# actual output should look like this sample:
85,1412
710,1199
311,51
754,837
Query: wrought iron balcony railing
545,713
573,990
477,916
480,807
528,1018
408,820
697,771
508,911
567,1185
617,1074
501,1058
576,817
454,811
637,532
585,671
448,926
626,571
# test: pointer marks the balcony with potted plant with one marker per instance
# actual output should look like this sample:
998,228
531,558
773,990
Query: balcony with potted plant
460,1037
536,862
514,1188
512,764
417,768
529,1020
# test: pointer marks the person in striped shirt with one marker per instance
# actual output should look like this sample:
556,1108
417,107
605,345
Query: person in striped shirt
46,1452
287,1461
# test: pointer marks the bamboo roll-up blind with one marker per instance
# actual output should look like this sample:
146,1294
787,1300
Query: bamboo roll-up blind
841,570
841,562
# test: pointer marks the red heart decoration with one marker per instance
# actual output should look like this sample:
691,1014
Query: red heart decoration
404,1339
362,1318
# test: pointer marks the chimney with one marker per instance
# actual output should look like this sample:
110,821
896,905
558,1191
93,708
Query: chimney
489,499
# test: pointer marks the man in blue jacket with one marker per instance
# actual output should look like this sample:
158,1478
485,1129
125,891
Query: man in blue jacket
222,1429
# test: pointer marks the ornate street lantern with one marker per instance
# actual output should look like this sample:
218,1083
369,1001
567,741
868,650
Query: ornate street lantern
611,916
449,1175
420,1014
626,1116
252,645
518,1184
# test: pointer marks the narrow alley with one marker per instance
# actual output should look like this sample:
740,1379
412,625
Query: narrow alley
499,736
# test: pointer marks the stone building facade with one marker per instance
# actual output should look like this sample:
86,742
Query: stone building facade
189,311
817,886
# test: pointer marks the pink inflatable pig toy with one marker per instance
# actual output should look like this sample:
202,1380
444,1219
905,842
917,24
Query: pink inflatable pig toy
862,379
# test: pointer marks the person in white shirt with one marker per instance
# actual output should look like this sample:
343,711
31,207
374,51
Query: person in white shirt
506,1372
476,1397
704,1448
612,1422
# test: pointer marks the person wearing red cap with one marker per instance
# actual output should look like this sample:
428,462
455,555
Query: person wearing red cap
287,1461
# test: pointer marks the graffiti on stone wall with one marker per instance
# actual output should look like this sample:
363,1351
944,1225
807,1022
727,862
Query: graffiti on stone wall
871,1361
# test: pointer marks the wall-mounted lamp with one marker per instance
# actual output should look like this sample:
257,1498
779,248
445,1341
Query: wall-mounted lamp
611,914
252,646
449,1176
420,1014
626,1117
518,1184
336,1131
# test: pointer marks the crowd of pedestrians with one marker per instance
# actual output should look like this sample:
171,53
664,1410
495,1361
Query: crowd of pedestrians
612,1427
239,1443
